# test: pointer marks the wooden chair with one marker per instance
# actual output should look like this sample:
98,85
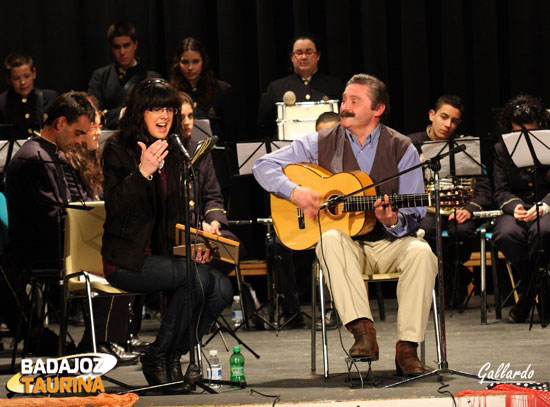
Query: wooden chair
83,262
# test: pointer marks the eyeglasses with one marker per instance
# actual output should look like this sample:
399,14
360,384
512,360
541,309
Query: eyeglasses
307,52
159,110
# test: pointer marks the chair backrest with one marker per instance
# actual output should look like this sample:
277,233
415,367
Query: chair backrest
83,239
3,220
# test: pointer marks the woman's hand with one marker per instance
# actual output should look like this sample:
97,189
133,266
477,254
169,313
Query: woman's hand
152,156
201,254
212,227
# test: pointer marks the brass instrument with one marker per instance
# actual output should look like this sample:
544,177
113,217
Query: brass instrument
467,184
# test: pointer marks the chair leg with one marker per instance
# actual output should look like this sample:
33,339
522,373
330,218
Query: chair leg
90,311
496,284
323,326
483,266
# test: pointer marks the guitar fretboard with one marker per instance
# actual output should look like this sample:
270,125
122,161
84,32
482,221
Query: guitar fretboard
366,203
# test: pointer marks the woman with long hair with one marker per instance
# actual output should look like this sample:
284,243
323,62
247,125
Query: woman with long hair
84,158
142,203
192,74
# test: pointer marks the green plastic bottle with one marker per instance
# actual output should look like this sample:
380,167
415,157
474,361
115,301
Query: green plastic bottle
236,365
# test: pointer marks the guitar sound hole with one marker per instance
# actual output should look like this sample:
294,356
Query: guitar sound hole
334,210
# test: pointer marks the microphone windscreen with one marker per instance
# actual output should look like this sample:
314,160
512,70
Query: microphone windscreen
289,98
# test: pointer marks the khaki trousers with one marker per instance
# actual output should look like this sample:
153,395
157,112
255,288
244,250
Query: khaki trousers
344,261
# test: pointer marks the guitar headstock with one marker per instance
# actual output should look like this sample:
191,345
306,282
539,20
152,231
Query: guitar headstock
454,197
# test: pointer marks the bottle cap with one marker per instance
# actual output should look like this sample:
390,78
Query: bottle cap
213,352
236,348
236,298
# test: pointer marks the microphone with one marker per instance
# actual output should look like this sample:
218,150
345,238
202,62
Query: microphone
175,140
289,98
458,149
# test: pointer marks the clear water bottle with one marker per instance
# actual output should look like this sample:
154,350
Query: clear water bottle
236,366
214,370
236,312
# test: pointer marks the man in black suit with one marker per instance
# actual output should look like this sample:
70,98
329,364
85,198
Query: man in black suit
307,83
112,83
22,105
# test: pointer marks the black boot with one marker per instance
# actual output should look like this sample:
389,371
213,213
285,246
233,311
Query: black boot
173,371
154,368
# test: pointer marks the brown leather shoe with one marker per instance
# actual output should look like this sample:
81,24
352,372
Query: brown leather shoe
406,359
365,345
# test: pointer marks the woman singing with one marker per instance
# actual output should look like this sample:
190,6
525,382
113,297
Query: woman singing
142,202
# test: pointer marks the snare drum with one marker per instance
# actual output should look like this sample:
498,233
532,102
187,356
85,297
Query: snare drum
299,119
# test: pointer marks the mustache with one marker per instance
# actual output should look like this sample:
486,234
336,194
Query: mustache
346,113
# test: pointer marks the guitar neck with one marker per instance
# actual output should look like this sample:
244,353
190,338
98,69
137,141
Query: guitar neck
366,203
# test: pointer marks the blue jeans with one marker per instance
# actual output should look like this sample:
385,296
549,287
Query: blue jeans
212,291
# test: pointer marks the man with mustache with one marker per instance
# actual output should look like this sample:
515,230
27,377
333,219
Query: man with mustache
362,142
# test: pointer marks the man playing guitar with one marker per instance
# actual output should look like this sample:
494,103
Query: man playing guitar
362,143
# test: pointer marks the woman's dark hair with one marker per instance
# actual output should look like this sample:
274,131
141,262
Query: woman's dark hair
523,109
207,82
88,164
147,94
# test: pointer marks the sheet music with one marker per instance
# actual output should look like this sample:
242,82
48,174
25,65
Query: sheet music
248,153
465,164
4,147
519,150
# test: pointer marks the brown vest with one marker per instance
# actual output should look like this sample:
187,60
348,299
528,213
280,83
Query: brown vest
336,155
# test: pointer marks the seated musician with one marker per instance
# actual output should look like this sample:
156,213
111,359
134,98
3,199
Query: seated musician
362,142
142,205
515,194
445,118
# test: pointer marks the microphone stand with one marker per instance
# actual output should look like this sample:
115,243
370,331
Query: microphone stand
193,375
438,298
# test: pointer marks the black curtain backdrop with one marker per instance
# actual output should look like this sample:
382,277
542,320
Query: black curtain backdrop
484,50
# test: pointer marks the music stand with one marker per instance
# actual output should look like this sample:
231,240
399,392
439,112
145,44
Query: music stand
247,154
531,148
464,164
8,143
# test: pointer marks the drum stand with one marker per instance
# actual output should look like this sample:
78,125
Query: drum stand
273,259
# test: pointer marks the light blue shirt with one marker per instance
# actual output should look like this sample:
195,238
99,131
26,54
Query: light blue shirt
268,171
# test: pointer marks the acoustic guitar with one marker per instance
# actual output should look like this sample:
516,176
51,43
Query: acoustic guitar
354,216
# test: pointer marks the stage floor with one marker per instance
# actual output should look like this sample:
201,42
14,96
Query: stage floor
283,370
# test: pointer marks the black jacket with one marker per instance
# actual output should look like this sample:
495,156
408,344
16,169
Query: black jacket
107,86
131,203
320,87
514,186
